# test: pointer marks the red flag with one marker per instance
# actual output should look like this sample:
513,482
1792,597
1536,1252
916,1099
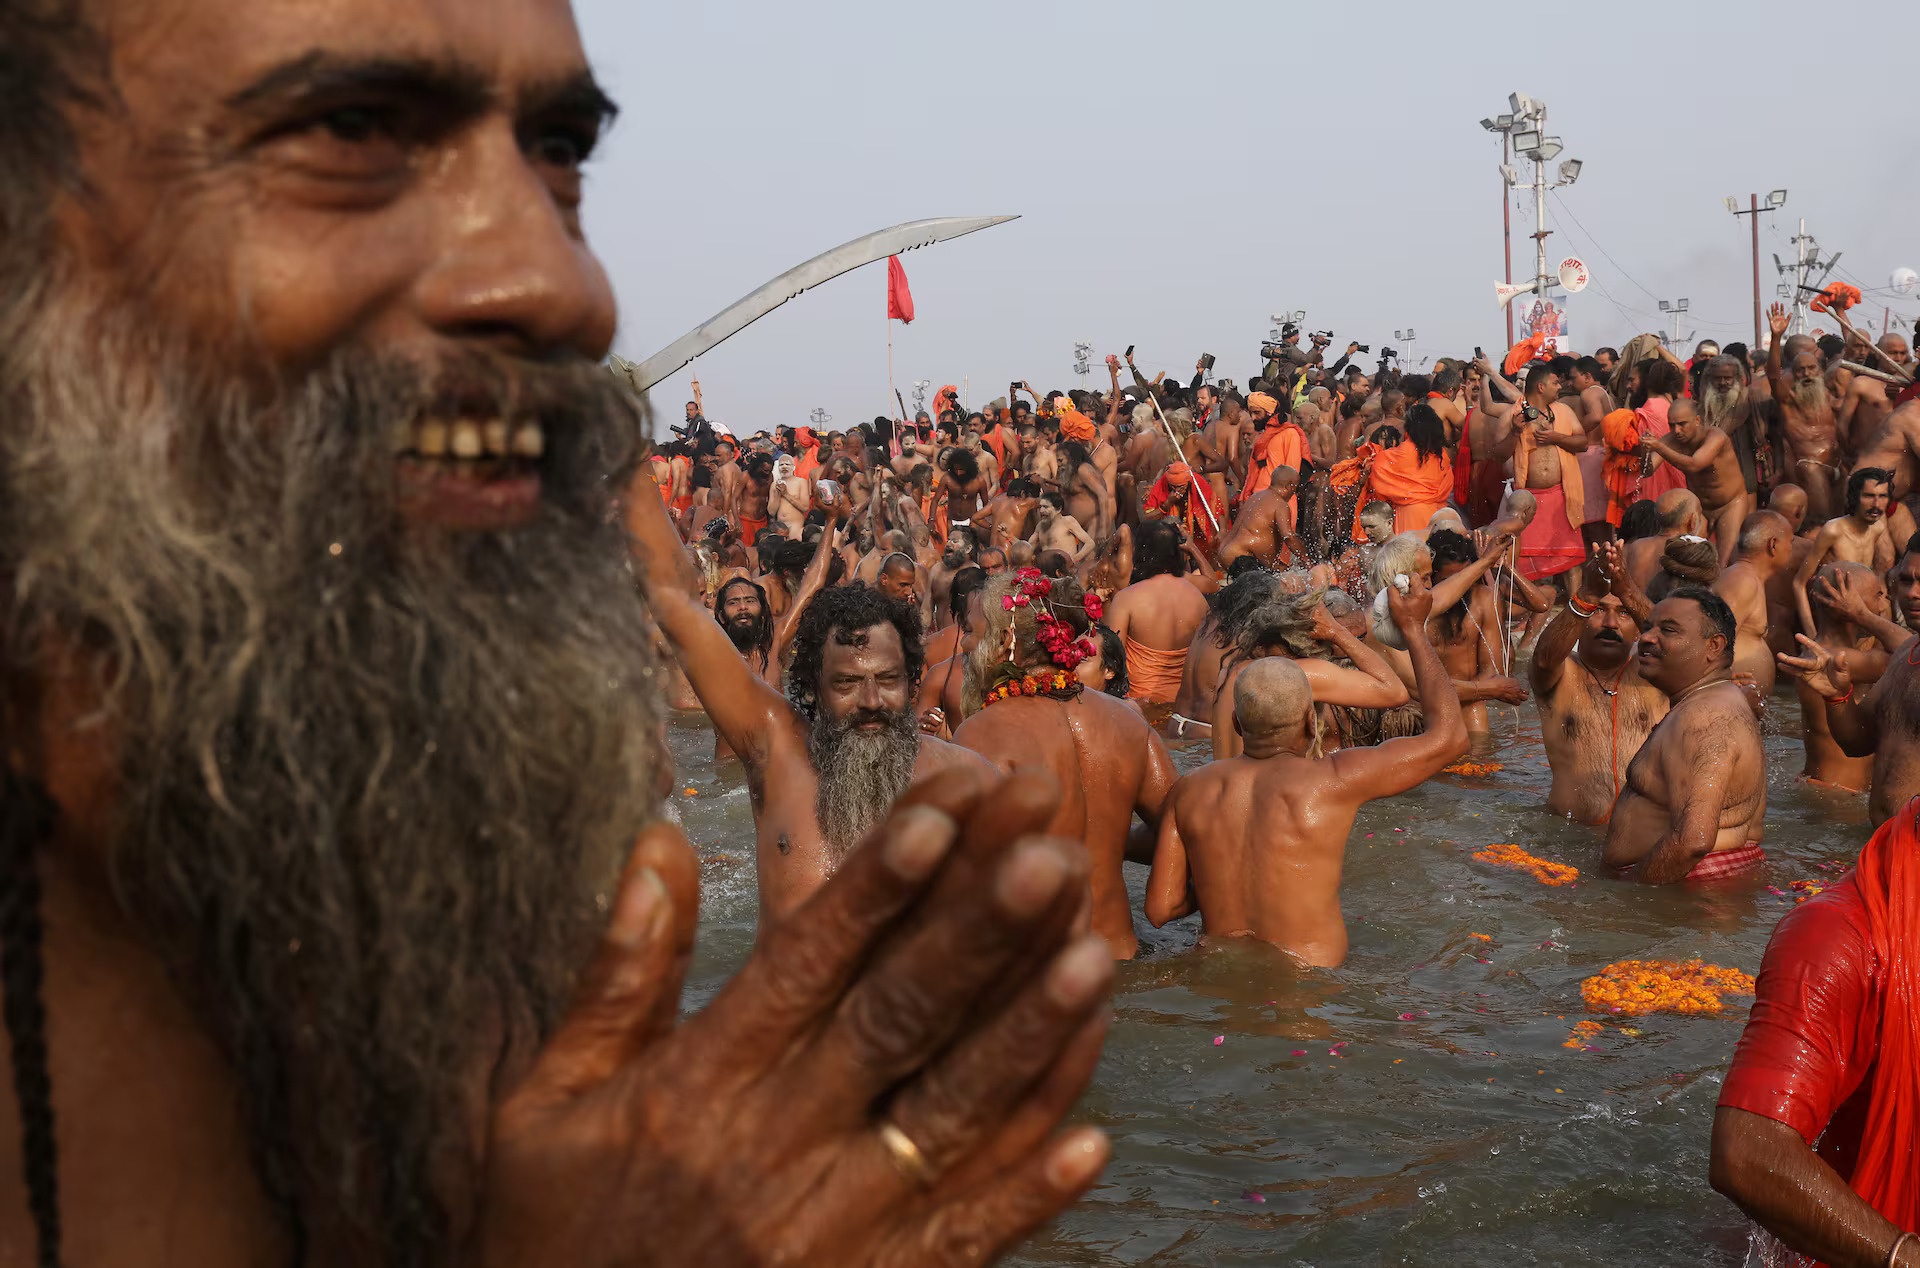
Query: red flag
899,298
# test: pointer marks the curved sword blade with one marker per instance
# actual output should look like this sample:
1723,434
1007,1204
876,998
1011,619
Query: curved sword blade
737,316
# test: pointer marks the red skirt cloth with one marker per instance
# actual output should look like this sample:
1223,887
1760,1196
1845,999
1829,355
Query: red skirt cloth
1727,863
1488,485
1550,545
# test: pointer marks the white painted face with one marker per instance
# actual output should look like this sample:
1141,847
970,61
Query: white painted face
783,469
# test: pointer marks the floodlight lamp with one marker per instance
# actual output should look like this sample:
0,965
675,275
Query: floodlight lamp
1521,104
1505,121
1683,306
1777,199
1549,150
1733,204
1410,335
1664,306
1570,171
1490,125
1526,140
1509,173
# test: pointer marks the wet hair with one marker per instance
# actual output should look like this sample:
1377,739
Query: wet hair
1427,432
1449,547
1589,367
965,581
1073,456
760,466
1859,480
1157,551
1023,489
842,613
1053,563
1719,616
1398,554
763,643
1642,519
962,465
1243,565
1113,656
1446,382
1387,436
1661,377
1831,346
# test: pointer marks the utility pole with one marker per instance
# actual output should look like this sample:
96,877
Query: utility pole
1775,201
1674,310
1525,128
1800,274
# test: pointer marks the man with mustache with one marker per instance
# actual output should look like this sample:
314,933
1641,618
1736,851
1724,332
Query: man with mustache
829,758
1595,709
1694,798
1858,537
1877,723
1800,389
338,920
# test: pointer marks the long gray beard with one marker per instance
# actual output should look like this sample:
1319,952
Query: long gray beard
373,782
1719,408
1811,397
861,774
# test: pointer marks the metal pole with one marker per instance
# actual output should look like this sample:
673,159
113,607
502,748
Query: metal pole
1506,218
1800,278
1179,455
1540,217
1753,214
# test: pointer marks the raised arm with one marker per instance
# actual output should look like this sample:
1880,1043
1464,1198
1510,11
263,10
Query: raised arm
1694,463
1853,721
1455,588
1370,684
1776,379
1846,602
1364,774
743,709
812,582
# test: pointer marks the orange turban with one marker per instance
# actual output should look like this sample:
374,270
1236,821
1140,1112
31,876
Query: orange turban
1523,352
1260,400
1179,475
1075,426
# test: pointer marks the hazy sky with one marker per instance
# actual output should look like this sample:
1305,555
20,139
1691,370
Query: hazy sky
1184,171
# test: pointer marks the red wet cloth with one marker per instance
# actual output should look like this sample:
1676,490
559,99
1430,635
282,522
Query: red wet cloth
1486,487
1463,464
1653,422
1722,864
1550,545
1832,1045
1621,471
1193,516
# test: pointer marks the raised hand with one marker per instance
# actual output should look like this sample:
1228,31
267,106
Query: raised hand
1505,690
1825,675
1410,610
1777,319
880,1084
1842,599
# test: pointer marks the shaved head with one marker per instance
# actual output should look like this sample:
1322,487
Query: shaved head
1764,528
1519,502
1271,698
1789,500
1678,509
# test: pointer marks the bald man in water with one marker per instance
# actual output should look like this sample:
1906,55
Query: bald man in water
1705,454
1256,841
1680,514
1765,551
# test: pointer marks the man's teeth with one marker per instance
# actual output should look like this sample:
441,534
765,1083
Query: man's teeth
472,439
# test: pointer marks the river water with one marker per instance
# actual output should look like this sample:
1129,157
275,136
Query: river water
1417,1105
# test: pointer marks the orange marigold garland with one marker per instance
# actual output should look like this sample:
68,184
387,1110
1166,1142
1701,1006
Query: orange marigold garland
1635,987
1467,768
1056,684
1547,872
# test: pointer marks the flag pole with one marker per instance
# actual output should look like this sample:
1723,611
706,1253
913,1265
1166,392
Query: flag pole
890,387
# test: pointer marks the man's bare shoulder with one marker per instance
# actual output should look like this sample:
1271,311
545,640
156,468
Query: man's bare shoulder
1713,719
937,755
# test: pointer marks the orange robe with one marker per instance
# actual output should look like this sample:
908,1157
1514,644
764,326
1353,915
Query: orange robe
1415,488
1282,446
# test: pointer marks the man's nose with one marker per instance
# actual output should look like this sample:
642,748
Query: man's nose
513,269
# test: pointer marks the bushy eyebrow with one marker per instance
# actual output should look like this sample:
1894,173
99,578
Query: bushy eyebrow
448,85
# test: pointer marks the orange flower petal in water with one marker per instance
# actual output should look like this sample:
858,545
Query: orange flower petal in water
1547,872
1637,987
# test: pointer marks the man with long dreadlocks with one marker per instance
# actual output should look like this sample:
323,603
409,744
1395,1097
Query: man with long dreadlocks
333,714
1255,842
1026,710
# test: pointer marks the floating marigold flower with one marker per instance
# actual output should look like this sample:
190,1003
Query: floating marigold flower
1582,1032
1547,872
1635,987
1467,768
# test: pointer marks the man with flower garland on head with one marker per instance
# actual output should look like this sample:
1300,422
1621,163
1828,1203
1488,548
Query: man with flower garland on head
1027,710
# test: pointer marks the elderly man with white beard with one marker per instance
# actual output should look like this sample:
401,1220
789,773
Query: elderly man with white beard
1807,408
339,923
1725,407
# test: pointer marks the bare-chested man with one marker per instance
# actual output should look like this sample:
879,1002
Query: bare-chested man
1054,529
790,498
1813,444
1109,762
1157,615
1595,710
1256,842
1868,400
966,485
1863,657
1470,637
1680,516
1765,551
1858,537
1695,797
1009,517
1264,526
1883,722
826,761
1712,469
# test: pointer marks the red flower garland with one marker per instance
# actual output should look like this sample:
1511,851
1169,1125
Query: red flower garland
1062,647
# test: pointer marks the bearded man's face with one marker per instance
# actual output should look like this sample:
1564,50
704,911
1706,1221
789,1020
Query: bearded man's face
309,456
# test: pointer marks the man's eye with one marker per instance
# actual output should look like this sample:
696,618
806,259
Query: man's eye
356,125
563,147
